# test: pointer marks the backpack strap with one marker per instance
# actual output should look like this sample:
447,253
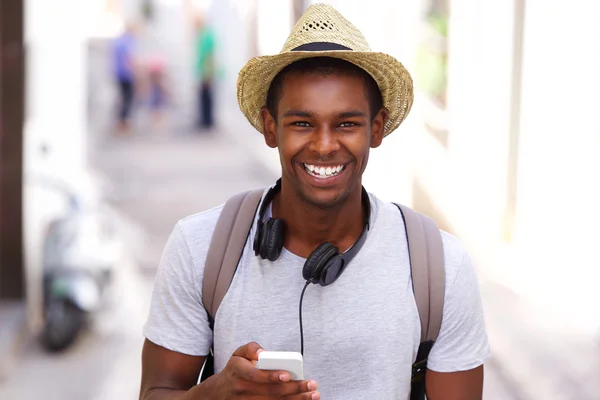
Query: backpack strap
426,252
228,241
226,247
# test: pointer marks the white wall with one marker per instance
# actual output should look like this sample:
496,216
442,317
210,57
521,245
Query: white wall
233,21
468,178
275,19
55,76
551,260
56,36
559,180
56,93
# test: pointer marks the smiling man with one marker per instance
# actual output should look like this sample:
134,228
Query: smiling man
323,102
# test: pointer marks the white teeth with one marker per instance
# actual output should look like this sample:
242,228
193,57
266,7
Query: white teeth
323,172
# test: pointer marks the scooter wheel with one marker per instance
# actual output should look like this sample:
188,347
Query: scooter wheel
63,323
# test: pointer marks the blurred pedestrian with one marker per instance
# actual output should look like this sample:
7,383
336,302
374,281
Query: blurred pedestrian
205,72
124,70
158,92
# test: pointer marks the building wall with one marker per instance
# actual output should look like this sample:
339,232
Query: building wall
12,59
244,30
559,157
465,178
539,241
56,119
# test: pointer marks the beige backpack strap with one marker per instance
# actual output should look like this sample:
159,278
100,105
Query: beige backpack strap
426,252
228,241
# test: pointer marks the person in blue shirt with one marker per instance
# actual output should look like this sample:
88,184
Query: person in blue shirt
205,71
124,72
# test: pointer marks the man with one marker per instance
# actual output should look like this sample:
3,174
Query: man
205,68
124,70
324,102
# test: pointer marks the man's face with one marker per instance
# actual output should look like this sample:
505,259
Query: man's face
324,131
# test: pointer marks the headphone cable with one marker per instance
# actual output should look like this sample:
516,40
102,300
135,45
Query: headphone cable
300,311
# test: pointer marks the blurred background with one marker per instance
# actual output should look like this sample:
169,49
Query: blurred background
119,117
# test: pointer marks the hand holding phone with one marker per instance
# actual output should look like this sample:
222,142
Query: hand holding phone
252,371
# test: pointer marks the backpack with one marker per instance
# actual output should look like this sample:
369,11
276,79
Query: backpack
426,259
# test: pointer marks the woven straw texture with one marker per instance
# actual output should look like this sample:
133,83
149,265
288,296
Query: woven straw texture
322,23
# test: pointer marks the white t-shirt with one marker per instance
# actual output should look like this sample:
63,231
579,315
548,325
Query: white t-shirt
361,334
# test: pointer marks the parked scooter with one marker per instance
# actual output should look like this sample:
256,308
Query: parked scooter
80,252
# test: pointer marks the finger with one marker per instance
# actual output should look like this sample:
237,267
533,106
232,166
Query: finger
292,390
304,396
281,389
249,351
246,370
244,361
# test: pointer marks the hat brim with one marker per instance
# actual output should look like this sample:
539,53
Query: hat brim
395,82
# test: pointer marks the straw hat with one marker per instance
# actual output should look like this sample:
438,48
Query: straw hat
323,32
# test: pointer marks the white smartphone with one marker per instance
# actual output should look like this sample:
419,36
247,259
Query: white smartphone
290,361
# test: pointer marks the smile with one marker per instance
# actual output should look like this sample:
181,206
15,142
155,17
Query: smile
324,172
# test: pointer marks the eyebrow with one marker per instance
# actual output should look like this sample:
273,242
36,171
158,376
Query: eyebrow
350,114
298,113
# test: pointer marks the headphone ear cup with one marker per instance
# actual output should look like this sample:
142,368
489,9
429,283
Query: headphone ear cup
272,239
313,267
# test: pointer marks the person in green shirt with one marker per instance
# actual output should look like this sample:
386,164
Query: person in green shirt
205,72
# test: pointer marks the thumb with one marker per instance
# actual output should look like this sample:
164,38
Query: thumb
249,351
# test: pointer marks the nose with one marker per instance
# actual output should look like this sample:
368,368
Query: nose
324,142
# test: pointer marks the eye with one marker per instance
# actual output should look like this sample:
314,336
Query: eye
301,124
348,124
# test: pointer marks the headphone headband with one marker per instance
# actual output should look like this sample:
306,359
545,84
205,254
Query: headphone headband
268,199
325,264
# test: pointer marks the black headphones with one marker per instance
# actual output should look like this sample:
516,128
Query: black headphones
325,264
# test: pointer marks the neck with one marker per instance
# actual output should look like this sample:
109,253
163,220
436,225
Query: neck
308,225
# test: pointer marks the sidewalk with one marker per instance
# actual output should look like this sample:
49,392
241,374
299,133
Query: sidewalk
539,352
13,334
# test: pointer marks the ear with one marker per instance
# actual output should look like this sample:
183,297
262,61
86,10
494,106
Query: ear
378,127
269,127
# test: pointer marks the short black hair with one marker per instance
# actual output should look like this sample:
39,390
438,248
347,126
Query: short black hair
324,66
